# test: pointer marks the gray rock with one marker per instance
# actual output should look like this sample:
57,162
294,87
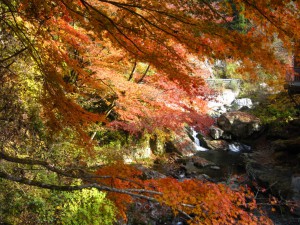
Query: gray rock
242,102
215,167
201,162
239,124
216,132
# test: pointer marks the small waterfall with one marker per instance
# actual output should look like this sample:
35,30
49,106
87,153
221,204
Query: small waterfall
234,148
238,147
197,141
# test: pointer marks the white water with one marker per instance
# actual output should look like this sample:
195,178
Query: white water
197,141
237,147
234,148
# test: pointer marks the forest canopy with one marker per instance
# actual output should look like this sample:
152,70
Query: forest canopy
140,59
69,67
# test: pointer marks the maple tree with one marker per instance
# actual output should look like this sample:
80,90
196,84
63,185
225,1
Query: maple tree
98,42
139,60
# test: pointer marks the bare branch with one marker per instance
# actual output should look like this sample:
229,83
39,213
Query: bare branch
13,55
133,69
72,173
145,73
39,184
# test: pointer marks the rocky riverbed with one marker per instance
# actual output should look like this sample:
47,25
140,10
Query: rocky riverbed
265,158
238,150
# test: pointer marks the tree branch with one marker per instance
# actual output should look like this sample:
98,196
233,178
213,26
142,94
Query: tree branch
133,69
266,17
39,184
72,173
13,55
87,5
145,73
118,4
77,173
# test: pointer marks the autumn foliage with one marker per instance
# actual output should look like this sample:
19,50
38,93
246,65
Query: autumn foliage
143,63
88,46
201,202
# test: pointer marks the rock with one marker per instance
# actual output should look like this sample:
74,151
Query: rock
216,144
227,97
216,132
242,103
197,137
226,136
137,153
239,124
149,173
215,167
277,178
184,147
295,186
187,144
290,145
201,162
156,145
190,168
282,179
203,177
216,109
238,147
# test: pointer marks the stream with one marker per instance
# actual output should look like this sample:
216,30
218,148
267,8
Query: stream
224,163
226,167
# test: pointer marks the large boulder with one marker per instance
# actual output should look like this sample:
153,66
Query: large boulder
219,145
239,124
182,145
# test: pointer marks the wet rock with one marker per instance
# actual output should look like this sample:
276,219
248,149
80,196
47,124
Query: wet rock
216,132
187,144
183,147
203,177
201,162
215,167
216,144
190,168
238,147
239,124
149,173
